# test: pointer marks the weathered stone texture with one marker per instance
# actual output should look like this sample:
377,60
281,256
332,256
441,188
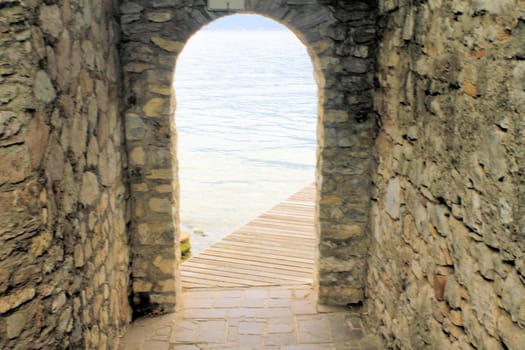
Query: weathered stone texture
447,268
63,245
420,165
340,37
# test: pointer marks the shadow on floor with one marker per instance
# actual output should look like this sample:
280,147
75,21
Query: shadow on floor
277,318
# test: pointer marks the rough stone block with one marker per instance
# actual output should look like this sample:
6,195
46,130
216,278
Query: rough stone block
9,124
340,295
36,139
160,205
152,233
159,16
393,198
15,324
439,285
51,20
130,7
513,297
168,45
16,298
4,280
165,265
107,164
155,107
13,167
90,190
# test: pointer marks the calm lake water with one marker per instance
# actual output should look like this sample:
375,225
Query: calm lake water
246,119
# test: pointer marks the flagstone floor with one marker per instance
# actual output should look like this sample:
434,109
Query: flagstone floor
276,318
253,291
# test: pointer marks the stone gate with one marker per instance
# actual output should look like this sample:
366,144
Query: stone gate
342,48
420,170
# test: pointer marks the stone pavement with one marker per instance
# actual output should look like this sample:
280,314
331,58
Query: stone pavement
276,318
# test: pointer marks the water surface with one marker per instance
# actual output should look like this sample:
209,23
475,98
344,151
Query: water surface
246,119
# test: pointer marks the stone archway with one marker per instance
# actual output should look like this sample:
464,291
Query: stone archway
341,43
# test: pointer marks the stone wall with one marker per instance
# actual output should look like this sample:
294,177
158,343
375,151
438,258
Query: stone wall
63,245
66,248
340,37
447,265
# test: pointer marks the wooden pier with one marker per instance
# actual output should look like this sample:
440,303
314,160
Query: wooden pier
275,249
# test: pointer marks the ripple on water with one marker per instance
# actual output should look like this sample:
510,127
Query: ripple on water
246,120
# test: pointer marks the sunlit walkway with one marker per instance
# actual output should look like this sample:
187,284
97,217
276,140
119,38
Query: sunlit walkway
275,249
253,290
277,318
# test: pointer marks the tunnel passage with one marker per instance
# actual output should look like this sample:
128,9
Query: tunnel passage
341,42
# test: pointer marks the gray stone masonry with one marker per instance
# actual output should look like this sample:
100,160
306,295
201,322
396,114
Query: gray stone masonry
64,253
269,318
340,38
447,261
420,169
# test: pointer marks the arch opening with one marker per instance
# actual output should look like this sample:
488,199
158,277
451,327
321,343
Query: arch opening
343,65
246,117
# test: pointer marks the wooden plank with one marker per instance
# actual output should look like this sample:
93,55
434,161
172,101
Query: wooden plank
276,248
242,281
201,282
251,228
261,238
257,255
263,251
254,275
268,271
221,260
256,262
276,243
263,232
301,250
